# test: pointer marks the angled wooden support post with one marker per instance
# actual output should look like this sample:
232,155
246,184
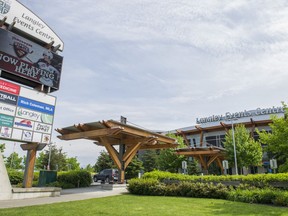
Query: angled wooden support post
219,163
112,152
31,149
133,151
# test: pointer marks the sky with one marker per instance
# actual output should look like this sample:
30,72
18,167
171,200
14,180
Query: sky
162,64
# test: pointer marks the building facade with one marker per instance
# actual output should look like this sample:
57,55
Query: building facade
209,132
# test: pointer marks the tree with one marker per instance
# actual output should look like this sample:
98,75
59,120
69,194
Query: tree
2,147
13,161
134,167
89,168
149,159
248,151
277,141
72,163
168,159
57,159
104,161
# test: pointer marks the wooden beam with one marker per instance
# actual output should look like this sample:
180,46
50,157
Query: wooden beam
130,157
130,150
212,152
112,152
29,169
88,134
184,137
219,163
213,158
158,146
224,126
201,159
139,132
201,138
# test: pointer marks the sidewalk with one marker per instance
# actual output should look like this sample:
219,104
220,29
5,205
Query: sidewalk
67,195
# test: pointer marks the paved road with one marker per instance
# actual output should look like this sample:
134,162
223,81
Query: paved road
94,191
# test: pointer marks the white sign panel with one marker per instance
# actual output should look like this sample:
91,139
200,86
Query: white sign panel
28,22
25,114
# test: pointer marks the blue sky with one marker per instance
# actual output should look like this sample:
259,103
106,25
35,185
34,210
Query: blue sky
162,63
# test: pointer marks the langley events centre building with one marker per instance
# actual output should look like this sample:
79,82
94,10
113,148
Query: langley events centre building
205,139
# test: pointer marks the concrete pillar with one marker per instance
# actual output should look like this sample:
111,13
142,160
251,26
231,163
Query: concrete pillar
5,185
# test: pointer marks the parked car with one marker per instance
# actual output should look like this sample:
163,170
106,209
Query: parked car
106,175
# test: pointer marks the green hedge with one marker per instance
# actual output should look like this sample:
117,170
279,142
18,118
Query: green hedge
259,180
253,188
74,179
16,177
185,189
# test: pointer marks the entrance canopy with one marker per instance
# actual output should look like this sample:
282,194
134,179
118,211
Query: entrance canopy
109,133
116,133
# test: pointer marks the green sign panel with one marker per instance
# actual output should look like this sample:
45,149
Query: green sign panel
6,120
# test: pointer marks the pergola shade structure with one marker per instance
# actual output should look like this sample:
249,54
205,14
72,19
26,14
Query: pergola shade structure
111,133
205,155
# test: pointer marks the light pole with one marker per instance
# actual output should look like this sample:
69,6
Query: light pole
49,158
234,145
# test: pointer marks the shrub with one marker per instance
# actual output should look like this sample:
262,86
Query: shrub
281,198
185,189
16,177
74,179
257,195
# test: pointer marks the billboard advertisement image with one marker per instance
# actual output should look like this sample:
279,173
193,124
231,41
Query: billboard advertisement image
28,60
25,115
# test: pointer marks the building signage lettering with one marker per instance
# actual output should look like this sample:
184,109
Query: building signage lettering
44,128
7,109
8,98
24,124
28,114
35,105
28,22
243,114
9,87
6,120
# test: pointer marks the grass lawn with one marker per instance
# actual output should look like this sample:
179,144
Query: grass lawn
126,205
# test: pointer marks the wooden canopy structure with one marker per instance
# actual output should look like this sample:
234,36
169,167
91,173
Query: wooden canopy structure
205,155
112,133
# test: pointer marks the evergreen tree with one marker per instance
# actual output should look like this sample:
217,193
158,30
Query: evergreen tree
149,159
58,159
104,161
133,168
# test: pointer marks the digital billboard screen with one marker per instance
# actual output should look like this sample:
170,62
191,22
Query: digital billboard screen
28,60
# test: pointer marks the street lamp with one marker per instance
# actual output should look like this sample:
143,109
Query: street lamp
234,145
49,159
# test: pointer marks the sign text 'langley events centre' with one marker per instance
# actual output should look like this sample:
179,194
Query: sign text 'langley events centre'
244,114
26,115
27,22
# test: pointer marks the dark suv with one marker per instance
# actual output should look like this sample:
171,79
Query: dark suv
106,175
